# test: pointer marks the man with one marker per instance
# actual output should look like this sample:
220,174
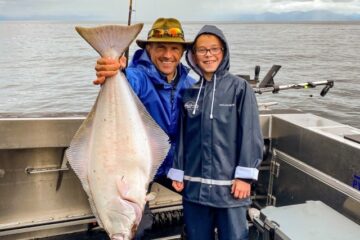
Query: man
220,144
157,77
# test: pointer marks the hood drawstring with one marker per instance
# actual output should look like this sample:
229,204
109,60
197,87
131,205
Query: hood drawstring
213,98
197,98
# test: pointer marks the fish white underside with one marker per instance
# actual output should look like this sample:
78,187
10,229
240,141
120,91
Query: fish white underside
117,151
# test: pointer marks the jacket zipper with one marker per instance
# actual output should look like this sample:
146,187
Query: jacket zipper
172,96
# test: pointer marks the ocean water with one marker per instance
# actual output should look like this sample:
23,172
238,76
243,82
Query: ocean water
46,67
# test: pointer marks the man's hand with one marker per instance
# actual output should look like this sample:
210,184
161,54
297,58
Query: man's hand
108,67
179,186
240,189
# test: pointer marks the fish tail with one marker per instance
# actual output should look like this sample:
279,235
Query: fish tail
110,40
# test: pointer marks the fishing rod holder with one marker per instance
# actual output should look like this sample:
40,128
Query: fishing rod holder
268,83
327,87
31,170
276,88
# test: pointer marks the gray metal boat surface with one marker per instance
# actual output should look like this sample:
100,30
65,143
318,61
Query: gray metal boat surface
307,158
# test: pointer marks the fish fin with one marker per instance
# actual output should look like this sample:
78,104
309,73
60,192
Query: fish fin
159,140
78,156
78,151
110,40
123,187
150,196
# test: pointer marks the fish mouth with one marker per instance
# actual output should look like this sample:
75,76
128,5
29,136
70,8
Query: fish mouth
122,236
131,212
136,207
118,236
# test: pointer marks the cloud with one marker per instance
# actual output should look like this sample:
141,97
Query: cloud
53,8
340,1
148,10
336,6
292,1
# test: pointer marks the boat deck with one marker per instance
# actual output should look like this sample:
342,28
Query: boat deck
309,158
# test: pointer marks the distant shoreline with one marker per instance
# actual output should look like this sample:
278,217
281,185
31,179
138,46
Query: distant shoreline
190,22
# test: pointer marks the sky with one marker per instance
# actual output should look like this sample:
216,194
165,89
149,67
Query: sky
148,10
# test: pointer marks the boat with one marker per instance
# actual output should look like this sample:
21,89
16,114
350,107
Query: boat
310,162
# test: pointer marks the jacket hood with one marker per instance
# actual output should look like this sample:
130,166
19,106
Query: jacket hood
222,68
213,30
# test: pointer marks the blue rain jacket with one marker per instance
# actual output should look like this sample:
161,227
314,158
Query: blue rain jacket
160,98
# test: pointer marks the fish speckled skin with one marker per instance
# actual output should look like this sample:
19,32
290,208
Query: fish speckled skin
118,148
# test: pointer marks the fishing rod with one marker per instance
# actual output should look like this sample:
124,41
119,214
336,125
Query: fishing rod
129,23
130,12
276,88
268,84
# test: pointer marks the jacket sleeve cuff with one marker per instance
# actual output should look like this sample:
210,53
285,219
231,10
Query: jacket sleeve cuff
176,174
246,173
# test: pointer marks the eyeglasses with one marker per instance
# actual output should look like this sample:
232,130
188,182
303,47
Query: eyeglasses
171,32
213,51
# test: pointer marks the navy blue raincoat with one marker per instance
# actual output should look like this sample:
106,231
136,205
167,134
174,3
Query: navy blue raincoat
220,137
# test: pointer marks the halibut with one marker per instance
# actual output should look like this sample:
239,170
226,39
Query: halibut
118,148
